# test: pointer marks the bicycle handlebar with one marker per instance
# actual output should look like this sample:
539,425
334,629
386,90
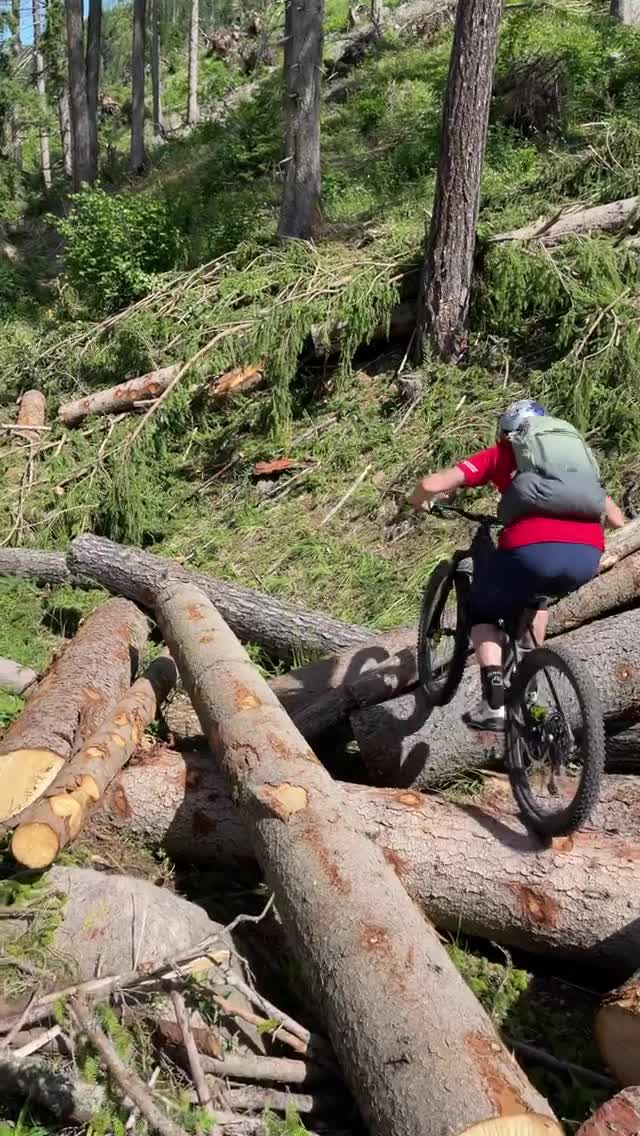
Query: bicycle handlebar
486,519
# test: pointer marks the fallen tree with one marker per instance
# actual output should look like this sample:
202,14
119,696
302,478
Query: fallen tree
84,683
617,1031
577,221
119,399
275,624
15,678
619,1116
402,742
472,867
612,590
382,975
34,564
58,816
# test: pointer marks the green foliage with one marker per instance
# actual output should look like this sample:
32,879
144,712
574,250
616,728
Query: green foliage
115,245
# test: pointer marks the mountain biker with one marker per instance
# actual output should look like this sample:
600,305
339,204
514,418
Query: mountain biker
544,549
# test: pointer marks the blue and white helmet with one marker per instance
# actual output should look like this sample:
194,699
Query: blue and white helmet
517,413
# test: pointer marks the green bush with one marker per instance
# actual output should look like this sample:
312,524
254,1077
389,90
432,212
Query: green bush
115,243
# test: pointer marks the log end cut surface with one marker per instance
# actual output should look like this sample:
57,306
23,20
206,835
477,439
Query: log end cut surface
619,1116
617,1031
26,773
528,1124
35,845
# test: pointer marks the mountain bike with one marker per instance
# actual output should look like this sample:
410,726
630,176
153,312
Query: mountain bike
554,728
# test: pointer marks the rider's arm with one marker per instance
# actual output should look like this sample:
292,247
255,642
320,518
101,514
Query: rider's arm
614,515
447,481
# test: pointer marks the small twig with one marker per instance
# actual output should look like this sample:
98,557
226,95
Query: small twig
343,500
17,1026
272,1012
38,1042
255,1020
532,1053
12,429
193,1057
129,1082
135,1111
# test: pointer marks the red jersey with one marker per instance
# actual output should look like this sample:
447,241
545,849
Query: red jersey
497,465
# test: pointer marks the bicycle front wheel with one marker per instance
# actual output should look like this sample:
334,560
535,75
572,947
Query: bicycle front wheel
555,743
443,637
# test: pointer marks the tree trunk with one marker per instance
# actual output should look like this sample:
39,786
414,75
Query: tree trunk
193,109
45,157
94,35
304,38
138,48
275,624
16,50
445,291
31,414
33,564
617,1031
611,591
471,867
64,116
402,743
16,678
619,1116
623,751
627,11
576,221
156,70
57,818
78,101
620,543
84,684
382,973
120,399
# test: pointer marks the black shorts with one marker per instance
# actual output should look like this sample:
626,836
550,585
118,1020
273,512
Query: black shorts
505,581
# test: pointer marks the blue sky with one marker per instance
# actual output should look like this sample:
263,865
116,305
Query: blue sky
26,16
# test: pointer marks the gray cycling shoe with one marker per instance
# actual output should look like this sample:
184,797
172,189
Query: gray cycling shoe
482,717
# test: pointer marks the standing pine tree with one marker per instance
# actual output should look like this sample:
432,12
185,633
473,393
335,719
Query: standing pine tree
193,109
137,85
156,73
38,64
443,309
304,37
94,32
78,102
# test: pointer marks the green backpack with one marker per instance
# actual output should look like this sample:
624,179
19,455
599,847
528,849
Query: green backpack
557,474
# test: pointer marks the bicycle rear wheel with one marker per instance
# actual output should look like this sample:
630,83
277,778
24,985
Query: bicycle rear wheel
442,633
555,743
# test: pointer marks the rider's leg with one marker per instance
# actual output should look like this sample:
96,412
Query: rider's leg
539,626
487,640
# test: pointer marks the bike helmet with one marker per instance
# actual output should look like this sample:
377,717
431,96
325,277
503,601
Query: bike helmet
517,413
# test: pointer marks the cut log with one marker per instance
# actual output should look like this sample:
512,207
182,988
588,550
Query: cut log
119,399
48,826
623,751
279,626
619,1116
621,543
471,867
577,221
382,974
83,685
402,743
33,564
239,381
31,415
617,1031
612,590
15,678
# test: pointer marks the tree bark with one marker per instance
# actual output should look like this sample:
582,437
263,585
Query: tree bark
31,414
15,126
403,743
193,108
627,11
94,35
120,399
620,543
445,290
137,85
617,1031
472,867
619,1116
45,156
78,100
156,70
64,117
275,624
58,816
16,678
33,564
612,590
576,222
304,38
84,684
382,973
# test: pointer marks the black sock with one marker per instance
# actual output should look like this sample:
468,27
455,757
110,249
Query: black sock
492,680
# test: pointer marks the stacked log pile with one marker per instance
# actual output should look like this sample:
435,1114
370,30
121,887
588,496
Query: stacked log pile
360,875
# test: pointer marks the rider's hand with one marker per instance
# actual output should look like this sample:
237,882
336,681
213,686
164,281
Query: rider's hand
420,499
